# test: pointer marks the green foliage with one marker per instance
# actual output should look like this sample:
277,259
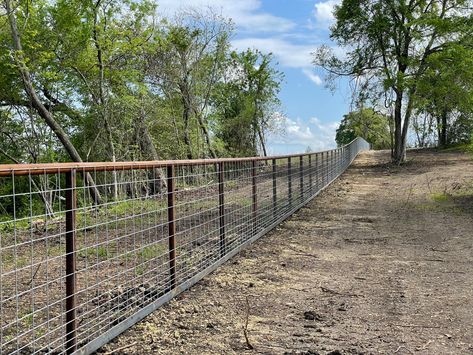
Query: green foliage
245,102
124,86
391,49
365,123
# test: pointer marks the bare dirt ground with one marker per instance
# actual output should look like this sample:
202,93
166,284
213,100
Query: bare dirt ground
380,262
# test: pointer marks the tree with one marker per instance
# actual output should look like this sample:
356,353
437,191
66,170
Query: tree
186,66
445,92
20,64
389,45
365,123
246,102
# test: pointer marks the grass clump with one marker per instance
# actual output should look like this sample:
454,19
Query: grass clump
440,197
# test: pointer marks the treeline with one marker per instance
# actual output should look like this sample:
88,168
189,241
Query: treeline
411,61
113,81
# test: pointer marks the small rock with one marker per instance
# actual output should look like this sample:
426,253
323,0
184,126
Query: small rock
310,315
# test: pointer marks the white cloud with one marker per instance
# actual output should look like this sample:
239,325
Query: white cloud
246,14
288,54
312,76
323,13
299,135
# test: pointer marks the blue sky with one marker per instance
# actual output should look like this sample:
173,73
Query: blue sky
291,30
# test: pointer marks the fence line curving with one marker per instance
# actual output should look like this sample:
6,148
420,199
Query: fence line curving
89,249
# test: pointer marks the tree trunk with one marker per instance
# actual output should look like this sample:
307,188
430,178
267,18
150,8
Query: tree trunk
443,131
38,105
263,144
205,133
102,102
157,177
398,156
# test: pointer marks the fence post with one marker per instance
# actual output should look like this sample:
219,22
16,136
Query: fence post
221,208
301,176
322,169
275,196
310,174
71,277
254,192
289,181
171,226
317,175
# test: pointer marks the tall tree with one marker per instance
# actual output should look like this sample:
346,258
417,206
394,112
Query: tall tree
389,44
186,66
445,92
246,101
20,62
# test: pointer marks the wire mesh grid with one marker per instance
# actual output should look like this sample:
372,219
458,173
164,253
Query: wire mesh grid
87,251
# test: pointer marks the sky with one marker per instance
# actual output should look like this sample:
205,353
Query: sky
291,30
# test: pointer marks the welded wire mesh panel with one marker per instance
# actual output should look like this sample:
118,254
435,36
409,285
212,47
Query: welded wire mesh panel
87,250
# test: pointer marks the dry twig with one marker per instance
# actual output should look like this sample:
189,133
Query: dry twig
245,327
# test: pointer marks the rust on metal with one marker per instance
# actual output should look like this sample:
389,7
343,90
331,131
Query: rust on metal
71,278
55,168
171,226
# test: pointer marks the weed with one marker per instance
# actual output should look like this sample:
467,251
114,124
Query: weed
152,251
100,251
440,197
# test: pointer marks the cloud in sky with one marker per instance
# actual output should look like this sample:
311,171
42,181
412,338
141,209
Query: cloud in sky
300,134
288,54
249,16
323,13
246,14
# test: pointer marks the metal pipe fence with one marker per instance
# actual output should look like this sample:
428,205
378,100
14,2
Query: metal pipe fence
87,250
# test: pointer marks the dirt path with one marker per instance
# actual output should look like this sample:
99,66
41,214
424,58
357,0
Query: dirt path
381,262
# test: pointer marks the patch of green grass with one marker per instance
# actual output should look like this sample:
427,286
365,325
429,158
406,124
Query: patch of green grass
231,184
465,148
27,318
440,197
136,206
18,262
100,251
152,251
8,226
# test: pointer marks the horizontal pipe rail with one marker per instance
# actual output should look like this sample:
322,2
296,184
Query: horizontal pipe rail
57,168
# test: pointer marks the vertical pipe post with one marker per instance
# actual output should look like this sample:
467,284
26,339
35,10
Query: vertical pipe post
221,208
301,176
289,181
71,277
275,196
317,183
171,226
254,192
310,174
331,165
324,170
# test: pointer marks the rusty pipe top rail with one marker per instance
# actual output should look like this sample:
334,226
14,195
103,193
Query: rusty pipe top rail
56,168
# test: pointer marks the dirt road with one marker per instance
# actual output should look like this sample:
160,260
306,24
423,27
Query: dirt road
380,263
